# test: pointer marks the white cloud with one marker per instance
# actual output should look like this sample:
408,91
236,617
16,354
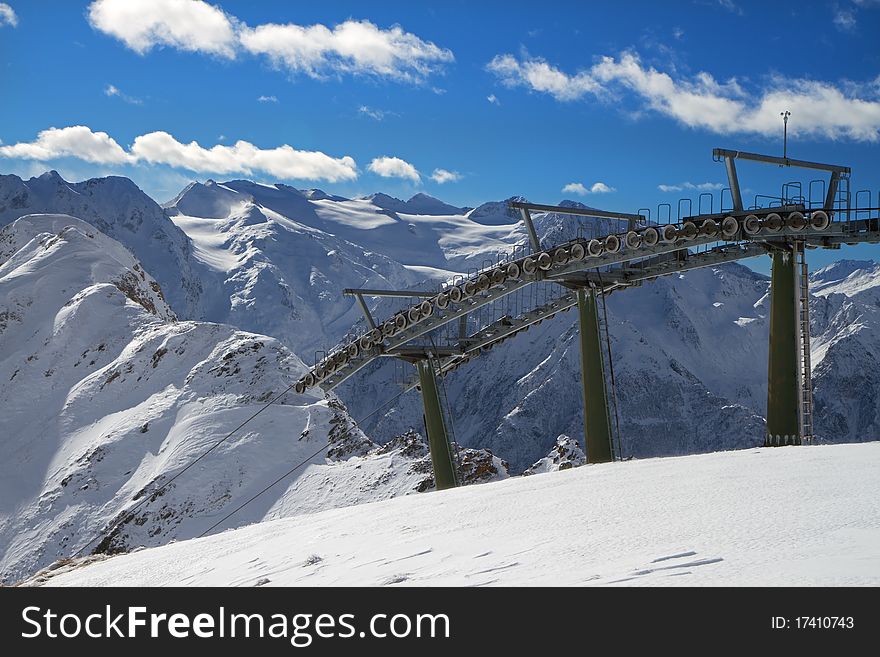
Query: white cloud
75,141
441,176
191,25
575,188
394,167
114,91
600,188
7,16
353,47
538,75
492,98
358,47
267,99
283,162
730,6
702,187
581,190
375,114
844,19
849,110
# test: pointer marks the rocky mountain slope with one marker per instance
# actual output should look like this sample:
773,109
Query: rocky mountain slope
846,359
107,396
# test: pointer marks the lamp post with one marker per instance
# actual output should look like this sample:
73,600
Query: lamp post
785,116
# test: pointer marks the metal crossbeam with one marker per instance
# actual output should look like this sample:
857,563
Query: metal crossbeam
420,352
354,292
583,212
719,153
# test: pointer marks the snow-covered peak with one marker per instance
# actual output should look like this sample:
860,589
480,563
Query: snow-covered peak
115,206
421,203
321,195
385,202
848,277
209,200
71,255
259,191
50,176
568,203
424,204
495,213
843,268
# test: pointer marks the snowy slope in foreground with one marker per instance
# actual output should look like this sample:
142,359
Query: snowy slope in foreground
791,516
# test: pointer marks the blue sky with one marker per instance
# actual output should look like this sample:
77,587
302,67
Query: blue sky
507,98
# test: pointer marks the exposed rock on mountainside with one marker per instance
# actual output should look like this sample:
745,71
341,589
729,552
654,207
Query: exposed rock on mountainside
107,398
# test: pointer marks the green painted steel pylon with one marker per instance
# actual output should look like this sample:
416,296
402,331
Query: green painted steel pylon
438,442
783,383
597,432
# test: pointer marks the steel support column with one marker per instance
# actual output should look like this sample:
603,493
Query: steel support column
438,443
597,432
783,382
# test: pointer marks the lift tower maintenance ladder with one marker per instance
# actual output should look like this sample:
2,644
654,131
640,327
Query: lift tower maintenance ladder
806,379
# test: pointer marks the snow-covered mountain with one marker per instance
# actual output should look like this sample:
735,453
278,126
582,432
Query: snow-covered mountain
689,351
420,232
247,231
845,324
119,209
279,274
313,245
420,204
106,397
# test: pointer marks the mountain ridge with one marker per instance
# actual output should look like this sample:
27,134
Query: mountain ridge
700,338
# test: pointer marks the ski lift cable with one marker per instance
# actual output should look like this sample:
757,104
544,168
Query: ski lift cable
129,515
294,468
